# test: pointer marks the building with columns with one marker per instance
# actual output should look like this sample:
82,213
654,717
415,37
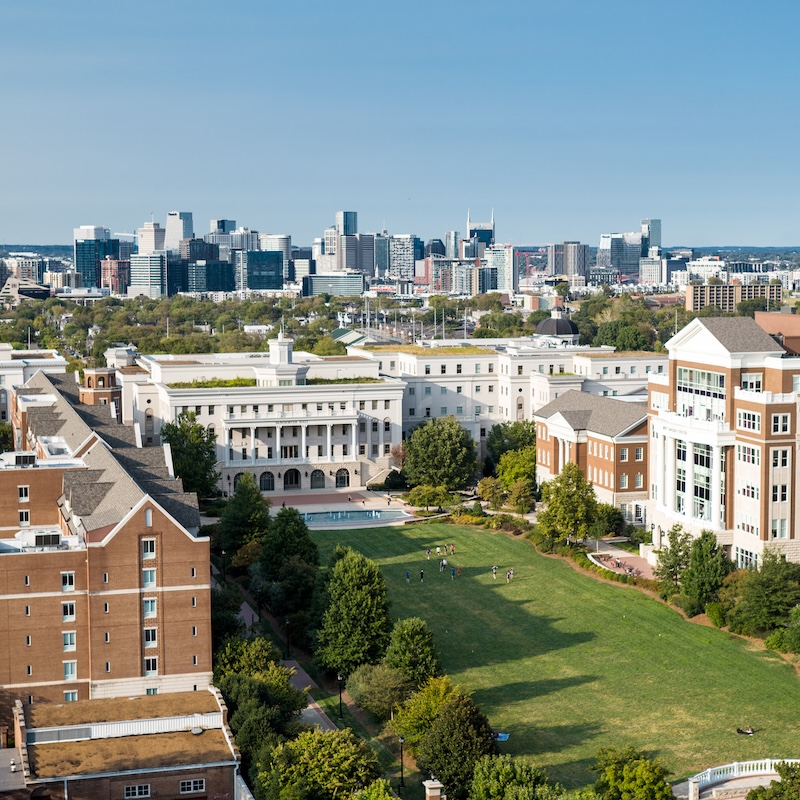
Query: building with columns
723,439
606,438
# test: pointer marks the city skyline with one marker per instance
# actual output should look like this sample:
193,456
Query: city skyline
568,121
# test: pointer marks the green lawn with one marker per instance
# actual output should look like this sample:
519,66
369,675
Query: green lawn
567,664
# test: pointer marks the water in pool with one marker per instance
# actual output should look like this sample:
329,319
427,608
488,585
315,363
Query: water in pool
372,515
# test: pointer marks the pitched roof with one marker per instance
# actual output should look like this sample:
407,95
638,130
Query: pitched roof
590,412
740,335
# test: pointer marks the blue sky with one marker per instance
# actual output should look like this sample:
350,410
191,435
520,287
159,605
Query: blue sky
569,118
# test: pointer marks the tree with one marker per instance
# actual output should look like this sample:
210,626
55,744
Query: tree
608,519
673,560
459,736
570,505
244,657
226,620
323,765
490,490
707,569
246,515
507,436
379,689
748,308
521,496
627,774
504,777
380,789
328,346
414,719
562,289
194,453
440,453
429,496
355,626
412,650
516,465
787,788
6,437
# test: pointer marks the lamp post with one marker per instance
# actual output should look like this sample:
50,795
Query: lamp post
340,679
286,628
223,566
402,779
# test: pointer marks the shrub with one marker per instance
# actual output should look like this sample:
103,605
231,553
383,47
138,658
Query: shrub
686,604
716,614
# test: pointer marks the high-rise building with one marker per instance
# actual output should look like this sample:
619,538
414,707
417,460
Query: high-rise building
92,245
451,240
483,231
150,238
366,253
346,223
576,259
651,234
148,274
609,252
199,250
115,274
277,243
401,255
555,259
179,227
258,270
222,226
382,256
347,255
435,247
501,258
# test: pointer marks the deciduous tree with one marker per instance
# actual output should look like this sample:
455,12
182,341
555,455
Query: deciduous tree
440,453
516,465
415,717
379,689
194,453
507,436
707,569
412,650
570,505
504,777
673,560
490,490
245,517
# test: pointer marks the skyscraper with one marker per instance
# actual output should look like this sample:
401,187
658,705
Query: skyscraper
179,226
451,239
651,231
382,258
555,259
150,238
483,231
222,226
148,274
501,258
401,256
435,247
258,269
92,245
346,223
576,259
277,243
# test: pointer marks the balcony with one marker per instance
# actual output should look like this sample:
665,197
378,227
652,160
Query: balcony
764,398
297,416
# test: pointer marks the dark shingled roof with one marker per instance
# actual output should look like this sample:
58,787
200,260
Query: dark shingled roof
740,335
557,327
590,412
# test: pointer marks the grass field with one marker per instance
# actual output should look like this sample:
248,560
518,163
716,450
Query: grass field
567,664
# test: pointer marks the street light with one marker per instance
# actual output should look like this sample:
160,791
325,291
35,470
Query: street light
223,566
402,781
340,679
286,628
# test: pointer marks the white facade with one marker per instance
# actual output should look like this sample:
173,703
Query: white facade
17,366
179,226
401,256
501,258
150,238
148,274
277,243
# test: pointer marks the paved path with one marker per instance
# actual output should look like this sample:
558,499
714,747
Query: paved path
10,781
312,714
616,559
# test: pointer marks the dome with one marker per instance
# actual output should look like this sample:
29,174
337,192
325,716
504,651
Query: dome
557,327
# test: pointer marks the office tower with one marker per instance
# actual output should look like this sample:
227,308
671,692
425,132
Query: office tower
651,269
179,226
330,241
277,243
435,247
317,247
651,232
222,226
150,238
555,259
258,270
609,252
338,284
451,239
177,278
303,267
199,250
92,245
61,280
483,231
115,274
210,276
501,258
346,223
244,239
126,247
148,274
382,259
419,249
366,253
576,259
347,256
401,256
631,253
302,252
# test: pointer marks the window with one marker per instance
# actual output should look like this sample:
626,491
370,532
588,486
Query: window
27,580
105,577
458,369
477,369
197,785
194,661
751,382
24,518
69,640
24,493
411,412
443,411
151,691
491,387
748,455
194,631
149,608
29,670
412,390
148,548
491,368
477,410
428,390
137,790
605,370
623,481
748,420
458,389
443,369
617,370
374,426
387,404
211,410
477,388
459,410
387,426
623,454
148,578
151,666
148,518
27,611
778,528
639,480
387,448
106,637
194,602
151,637
639,453
108,666
67,612
780,458
27,641
70,670
374,405
105,608
780,493
70,697
519,370
427,369
362,448
67,581
780,423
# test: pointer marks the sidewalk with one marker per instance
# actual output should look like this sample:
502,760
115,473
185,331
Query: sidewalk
312,714
616,559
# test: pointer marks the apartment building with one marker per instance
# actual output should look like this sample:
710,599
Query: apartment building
105,580
723,435
606,438
16,366
727,296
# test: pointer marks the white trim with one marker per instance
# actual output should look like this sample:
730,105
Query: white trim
83,593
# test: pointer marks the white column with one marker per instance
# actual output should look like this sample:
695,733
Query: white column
303,441
354,439
252,444
330,445
716,493
690,479
278,441
660,476
669,474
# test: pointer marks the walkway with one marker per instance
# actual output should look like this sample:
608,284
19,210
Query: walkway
312,714
606,553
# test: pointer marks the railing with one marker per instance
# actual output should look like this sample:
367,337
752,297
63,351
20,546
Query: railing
763,397
739,769
279,415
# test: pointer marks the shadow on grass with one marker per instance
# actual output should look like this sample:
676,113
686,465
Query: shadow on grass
572,774
523,691
539,740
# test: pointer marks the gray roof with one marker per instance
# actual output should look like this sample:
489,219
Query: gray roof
740,335
590,412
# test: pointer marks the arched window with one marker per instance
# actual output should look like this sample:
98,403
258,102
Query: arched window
291,479
236,478
266,482
317,479
148,518
342,478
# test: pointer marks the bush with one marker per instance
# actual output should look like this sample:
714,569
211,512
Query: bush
716,614
686,604
395,481
477,509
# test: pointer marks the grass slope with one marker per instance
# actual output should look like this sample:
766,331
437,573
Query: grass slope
567,664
